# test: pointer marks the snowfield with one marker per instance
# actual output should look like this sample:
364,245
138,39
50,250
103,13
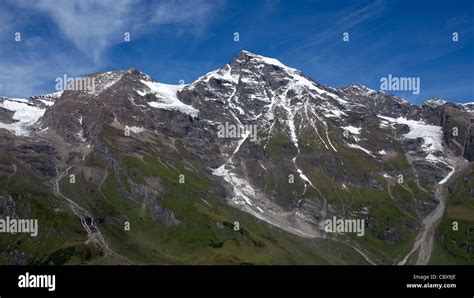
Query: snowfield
168,100
25,114
352,129
431,134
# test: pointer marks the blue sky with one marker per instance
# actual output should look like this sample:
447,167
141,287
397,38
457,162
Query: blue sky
184,39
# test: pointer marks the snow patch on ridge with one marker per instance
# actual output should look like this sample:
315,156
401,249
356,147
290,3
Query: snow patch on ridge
136,129
266,60
167,96
352,129
434,102
106,80
431,134
25,114
360,90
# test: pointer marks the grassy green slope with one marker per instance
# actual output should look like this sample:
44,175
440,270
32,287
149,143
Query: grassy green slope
60,234
205,234
456,246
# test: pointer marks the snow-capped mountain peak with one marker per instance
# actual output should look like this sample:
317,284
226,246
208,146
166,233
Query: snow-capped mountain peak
259,59
333,143
359,89
434,102
469,106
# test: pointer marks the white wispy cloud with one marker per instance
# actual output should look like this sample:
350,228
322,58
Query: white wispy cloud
91,27
195,12
94,26
362,14
23,77
347,20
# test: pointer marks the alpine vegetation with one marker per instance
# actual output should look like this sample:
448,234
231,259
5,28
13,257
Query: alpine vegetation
253,162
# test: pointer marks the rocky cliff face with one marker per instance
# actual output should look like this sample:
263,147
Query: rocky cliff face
255,135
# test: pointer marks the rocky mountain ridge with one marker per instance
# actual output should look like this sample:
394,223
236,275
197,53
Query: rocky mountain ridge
308,152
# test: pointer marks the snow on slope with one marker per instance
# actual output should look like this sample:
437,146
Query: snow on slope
352,129
267,60
167,96
355,146
106,80
431,134
26,115
243,192
136,129
469,106
435,159
360,89
434,102
298,81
